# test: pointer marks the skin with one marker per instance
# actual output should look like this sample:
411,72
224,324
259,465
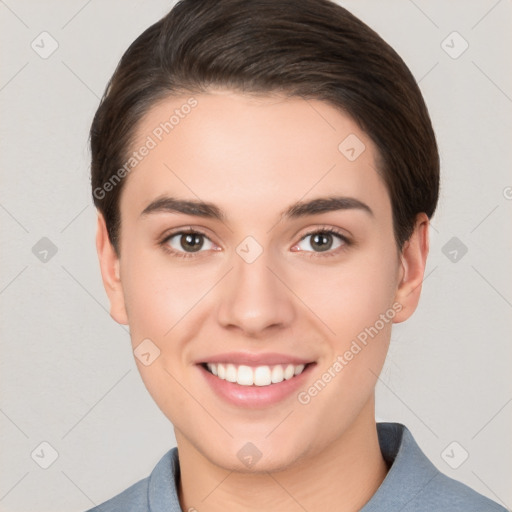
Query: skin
253,156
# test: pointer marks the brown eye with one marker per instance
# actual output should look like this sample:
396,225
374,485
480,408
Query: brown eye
322,241
189,242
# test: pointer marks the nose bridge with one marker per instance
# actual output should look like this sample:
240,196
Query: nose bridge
254,298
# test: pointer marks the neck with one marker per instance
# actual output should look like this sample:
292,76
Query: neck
342,476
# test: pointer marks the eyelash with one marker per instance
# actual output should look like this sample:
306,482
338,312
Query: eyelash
327,230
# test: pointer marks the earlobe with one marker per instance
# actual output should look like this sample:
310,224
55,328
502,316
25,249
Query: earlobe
413,260
110,272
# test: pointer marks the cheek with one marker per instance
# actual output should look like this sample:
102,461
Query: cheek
350,296
160,295
149,302
356,303
160,301
151,296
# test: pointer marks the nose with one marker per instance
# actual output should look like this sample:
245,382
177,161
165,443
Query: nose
254,299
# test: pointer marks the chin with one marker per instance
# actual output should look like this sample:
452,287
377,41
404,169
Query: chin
255,458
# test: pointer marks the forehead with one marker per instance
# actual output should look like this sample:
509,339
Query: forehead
251,152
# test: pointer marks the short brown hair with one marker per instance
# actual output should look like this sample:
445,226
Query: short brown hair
314,49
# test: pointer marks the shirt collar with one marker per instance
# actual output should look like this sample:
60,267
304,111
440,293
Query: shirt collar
409,473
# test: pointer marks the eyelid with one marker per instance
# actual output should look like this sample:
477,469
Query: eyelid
347,241
326,229
185,230
164,241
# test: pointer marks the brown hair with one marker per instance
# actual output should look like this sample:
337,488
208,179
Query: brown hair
313,49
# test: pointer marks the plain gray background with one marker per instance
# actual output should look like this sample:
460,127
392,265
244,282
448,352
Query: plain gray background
68,376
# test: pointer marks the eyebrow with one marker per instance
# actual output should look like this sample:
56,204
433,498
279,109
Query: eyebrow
167,204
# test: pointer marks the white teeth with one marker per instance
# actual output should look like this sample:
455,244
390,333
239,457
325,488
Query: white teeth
245,376
277,374
255,375
262,376
231,373
289,371
299,369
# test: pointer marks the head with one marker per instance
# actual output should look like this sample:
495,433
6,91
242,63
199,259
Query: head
264,177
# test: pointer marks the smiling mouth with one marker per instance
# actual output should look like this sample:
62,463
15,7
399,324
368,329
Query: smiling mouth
255,375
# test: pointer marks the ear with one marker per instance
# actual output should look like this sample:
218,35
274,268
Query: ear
109,265
412,268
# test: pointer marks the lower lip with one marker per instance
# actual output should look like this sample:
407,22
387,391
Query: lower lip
255,396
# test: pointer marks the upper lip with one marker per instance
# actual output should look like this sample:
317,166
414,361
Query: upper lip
254,359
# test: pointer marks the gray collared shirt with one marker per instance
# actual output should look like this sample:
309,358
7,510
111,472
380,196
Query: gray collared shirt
413,484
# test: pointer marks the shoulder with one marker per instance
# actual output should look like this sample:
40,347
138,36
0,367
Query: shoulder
158,491
133,499
414,484
446,494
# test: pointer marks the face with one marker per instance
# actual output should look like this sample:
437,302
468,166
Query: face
255,246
